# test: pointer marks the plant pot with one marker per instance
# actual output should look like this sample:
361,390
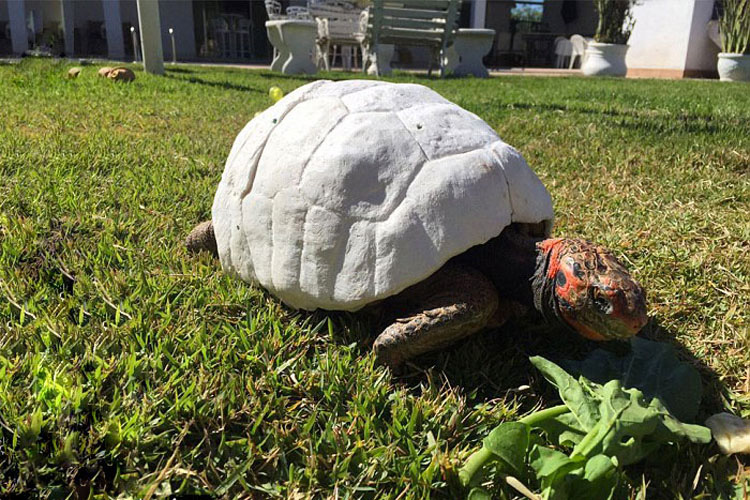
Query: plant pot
605,59
734,67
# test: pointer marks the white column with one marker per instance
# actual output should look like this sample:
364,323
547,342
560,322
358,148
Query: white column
17,18
67,7
478,12
148,18
113,24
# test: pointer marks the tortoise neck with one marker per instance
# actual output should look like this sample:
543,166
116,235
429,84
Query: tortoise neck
543,281
510,262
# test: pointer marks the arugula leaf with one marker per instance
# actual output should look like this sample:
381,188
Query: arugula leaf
625,426
609,424
694,433
552,467
618,422
651,367
571,392
599,479
508,442
563,429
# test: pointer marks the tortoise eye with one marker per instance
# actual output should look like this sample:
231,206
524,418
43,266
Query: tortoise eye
561,279
603,305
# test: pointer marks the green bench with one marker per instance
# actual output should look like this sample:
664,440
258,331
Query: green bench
425,23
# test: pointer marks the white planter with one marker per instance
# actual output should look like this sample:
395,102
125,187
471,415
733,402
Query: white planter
605,59
734,67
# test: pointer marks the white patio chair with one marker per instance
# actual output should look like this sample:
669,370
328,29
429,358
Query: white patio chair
220,31
578,50
273,9
338,29
563,50
244,37
294,12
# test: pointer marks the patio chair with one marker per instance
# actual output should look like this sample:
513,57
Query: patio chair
578,44
273,9
221,34
294,12
563,50
338,29
426,23
244,37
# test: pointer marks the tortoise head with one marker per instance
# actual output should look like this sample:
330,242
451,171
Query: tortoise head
591,291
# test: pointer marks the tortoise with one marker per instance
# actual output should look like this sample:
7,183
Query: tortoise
347,194
118,73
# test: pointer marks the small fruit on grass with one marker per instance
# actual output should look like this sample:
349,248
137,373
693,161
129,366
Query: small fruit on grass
275,93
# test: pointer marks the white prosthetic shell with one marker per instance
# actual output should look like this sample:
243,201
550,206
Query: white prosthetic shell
344,193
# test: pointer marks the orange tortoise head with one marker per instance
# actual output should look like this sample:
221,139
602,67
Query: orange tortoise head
593,293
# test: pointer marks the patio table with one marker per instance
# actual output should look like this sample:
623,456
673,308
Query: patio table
294,40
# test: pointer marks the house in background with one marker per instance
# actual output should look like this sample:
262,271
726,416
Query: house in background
670,38
228,30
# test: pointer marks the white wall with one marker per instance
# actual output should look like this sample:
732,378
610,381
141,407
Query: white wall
702,52
661,34
671,36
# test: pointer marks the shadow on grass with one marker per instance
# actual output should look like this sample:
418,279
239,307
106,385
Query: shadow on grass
221,85
184,71
495,363
646,120
281,76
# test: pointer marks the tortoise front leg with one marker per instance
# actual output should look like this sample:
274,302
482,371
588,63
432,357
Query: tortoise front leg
453,303
202,238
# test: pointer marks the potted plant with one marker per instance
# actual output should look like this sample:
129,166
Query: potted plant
734,26
606,54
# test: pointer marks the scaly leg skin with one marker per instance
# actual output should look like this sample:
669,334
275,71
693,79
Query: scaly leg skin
202,238
453,303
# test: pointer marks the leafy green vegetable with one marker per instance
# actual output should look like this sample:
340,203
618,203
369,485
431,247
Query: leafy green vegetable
564,429
651,367
608,425
508,442
599,480
574,394
551,466
564,477
618,422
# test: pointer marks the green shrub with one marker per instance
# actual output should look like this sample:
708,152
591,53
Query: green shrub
615,21
734,26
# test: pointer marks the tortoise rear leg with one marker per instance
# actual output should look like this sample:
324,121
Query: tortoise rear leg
202,238
454,303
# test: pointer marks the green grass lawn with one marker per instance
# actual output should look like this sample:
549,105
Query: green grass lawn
127,365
